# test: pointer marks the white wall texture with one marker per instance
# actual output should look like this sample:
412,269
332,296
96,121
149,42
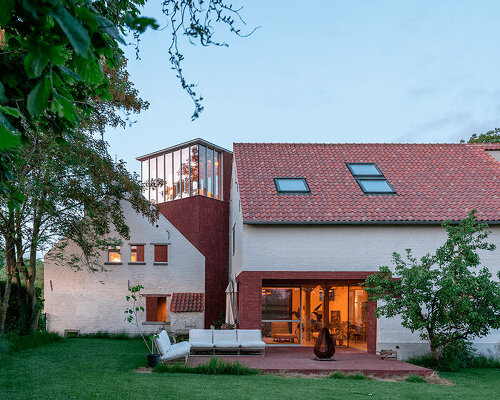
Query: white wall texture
95,301
349,248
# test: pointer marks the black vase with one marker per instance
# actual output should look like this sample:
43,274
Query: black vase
153,360
324,349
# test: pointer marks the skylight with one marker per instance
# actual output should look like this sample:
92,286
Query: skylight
291,185
370,179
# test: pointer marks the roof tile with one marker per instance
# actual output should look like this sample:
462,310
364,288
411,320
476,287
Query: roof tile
187,302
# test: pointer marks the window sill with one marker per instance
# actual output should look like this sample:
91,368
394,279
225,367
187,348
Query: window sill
160,263
156,323
112,263
137,263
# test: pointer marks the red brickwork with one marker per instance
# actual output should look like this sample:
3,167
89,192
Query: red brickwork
250,292
205,223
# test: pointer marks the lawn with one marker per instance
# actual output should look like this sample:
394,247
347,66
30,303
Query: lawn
98,368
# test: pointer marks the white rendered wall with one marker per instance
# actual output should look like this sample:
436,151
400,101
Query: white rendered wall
236,220
95,301
353,248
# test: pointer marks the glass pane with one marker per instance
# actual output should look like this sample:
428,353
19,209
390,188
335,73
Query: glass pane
194,170
114,254
280,303
145,178
210,172
161,178
281,332
202,172
177,174
358,299
152,179
217,169
364,169
292,185
375,186
168,177
185,171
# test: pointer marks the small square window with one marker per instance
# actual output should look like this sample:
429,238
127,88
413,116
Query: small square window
375,186
137,253
161,253
114,255
291,185
364,169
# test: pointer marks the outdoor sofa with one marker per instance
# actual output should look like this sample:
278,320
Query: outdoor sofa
231,340
169,351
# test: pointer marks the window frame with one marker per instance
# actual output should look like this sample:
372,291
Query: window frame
143,262
279,190
364,177
149,298
117,249
154,253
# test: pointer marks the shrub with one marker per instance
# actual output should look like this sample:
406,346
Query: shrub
107,335
19,343
213,367
415,379
356,376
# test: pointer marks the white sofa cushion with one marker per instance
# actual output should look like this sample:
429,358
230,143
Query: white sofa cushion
201,345
253,345
225,339
177,350
200,336
163,343
250,339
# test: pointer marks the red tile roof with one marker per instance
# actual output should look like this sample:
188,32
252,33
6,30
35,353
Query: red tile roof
434,182
187,302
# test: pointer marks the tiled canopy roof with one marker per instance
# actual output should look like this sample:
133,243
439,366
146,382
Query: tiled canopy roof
433,182
187,302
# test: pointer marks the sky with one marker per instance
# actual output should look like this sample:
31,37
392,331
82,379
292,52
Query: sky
323,71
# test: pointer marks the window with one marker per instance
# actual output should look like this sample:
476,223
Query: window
370,179
183,172
161,253
114,254
156,308
137,253
291,185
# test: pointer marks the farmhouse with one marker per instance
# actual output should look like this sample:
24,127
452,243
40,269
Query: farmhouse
260,237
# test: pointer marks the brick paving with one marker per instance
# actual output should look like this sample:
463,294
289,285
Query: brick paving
300,360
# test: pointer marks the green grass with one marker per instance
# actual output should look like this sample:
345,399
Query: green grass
17,343
102,369
356,376
213,367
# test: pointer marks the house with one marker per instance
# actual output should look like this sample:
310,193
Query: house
292,231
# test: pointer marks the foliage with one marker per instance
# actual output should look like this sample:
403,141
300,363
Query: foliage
19,343
107,335
90,369
355,375
488,137
415,379
213,367
132,313
443,296
18,318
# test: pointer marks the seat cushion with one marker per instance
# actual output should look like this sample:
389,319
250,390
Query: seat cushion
163,342
224,336
227,345
256,344
177,350
201,345
200,336
249,335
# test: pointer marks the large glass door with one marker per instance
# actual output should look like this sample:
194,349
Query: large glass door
295,315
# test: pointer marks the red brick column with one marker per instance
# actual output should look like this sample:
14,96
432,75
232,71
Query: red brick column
371,329
249,300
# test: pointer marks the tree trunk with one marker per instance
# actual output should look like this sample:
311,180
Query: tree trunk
10,261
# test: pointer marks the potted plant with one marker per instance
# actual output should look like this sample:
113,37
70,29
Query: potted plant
153,358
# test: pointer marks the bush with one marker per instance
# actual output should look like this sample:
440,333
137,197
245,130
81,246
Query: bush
415,379
356,376
19,343
107,335
214,367
456,357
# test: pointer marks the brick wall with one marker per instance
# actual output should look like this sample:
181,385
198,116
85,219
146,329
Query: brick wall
205,223
250,292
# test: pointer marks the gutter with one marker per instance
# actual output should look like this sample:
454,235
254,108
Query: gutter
419,222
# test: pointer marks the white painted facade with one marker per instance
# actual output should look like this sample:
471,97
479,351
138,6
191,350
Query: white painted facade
95,301
346,248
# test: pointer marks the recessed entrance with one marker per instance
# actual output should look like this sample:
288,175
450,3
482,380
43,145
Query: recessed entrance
294,315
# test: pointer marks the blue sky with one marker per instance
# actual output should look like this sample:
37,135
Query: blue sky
325,71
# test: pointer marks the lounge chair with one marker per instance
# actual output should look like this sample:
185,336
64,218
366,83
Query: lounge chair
251,340
169,351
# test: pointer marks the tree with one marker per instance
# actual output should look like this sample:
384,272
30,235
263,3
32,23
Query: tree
488,137
445,296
